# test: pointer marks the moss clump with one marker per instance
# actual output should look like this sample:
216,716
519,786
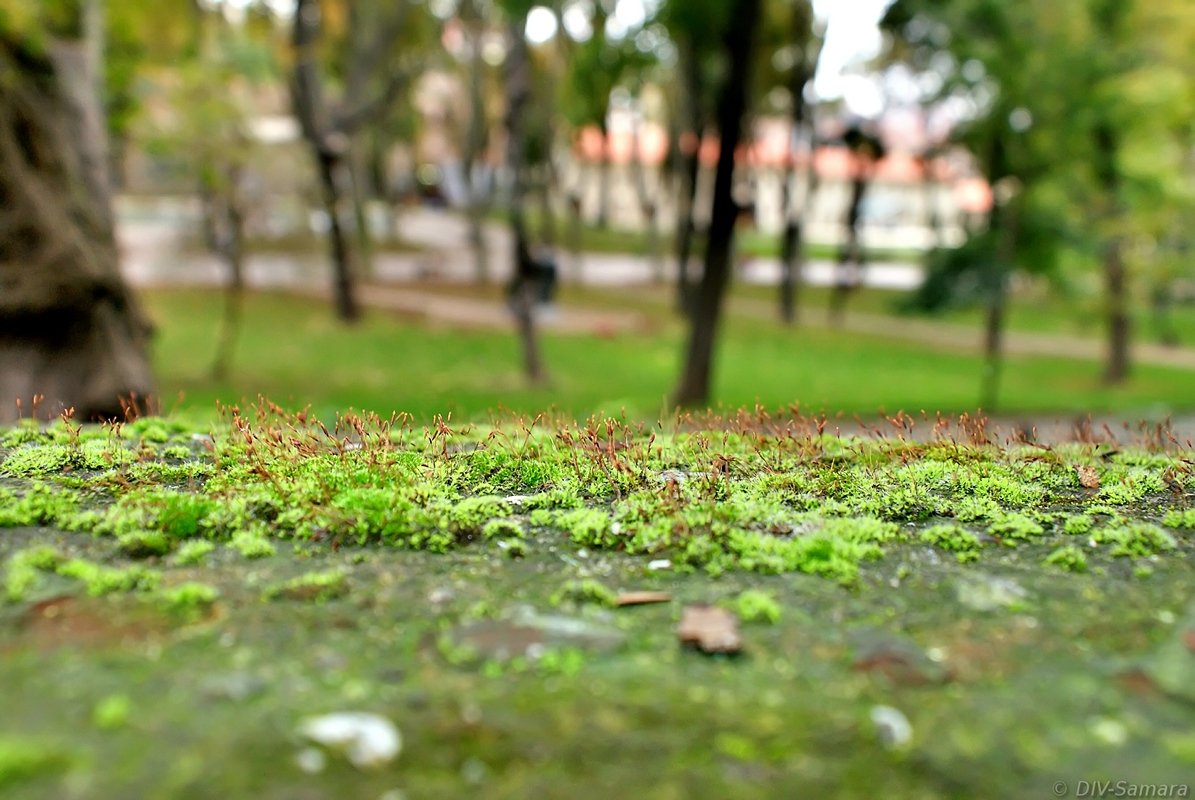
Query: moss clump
189,599
24,567
1078,524
112,712
22,759
252,544
502,529
144,544
319,587
585,591
193,553
588,527
754,605
1068,557
1014,527
1180,519
954,538
100,580
41,504
1135,539
41,460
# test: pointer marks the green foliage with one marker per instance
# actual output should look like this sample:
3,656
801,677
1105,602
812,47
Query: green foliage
754,605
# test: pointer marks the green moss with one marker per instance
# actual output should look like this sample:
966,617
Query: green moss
112,712
188,599
319,586
1068,557
502,529
1014,527
1176,518
252,544
587,591
192,553
23,759
100,580
588,527
754,605
955,538
41,504
1078,524
40,460
1135,539
22,572
143,544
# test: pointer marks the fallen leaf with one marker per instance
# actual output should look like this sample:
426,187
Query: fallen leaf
642,598
1088,477
709,629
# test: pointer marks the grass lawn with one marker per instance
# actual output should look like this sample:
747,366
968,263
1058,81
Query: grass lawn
294,352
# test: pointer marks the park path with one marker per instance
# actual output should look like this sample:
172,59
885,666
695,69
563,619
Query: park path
154,255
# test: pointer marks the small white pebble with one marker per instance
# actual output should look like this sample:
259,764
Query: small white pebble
892,726
367,740
310,760
659,563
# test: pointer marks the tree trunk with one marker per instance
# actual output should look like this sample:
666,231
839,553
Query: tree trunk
331,169
603,215
694,386
1004,221
70,330
849,269
690,172
475,146
224,221
791,245
523,282
1116,369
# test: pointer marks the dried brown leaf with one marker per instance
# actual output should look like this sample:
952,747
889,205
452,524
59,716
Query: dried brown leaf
709,629
1088,477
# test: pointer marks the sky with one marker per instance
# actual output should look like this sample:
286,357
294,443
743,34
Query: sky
852,37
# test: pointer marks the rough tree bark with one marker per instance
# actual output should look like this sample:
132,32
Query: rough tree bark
694,386
70,329
517,68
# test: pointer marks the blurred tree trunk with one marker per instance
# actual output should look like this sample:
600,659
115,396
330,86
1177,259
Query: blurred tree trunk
1002,221
694,386
524,280
224,227
1116,368
476,140
329,134
692,94
792,257
70,329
